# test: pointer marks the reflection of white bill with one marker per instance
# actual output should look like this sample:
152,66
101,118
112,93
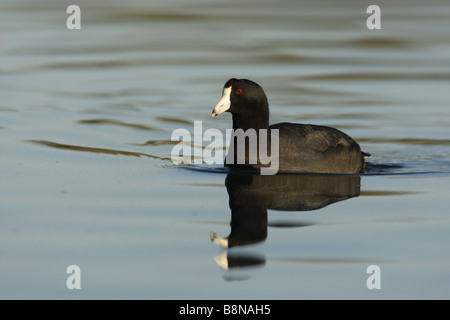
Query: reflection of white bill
223,242
222,260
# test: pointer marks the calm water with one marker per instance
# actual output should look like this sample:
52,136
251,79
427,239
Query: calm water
86,179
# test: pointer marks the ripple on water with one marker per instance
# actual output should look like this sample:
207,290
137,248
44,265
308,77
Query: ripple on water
371,169
94,150
117,123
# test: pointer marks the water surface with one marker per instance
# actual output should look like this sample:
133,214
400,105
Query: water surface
86,177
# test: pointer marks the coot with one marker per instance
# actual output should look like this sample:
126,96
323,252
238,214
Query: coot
301,147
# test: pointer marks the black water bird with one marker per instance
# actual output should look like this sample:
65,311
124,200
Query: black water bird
301,147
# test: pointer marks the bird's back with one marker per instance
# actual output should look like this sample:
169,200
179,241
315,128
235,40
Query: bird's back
313,148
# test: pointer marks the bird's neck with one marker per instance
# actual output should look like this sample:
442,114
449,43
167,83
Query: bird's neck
245,122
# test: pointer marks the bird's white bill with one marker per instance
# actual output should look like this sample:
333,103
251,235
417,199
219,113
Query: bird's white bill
224,103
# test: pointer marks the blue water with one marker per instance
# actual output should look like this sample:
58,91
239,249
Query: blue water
86,177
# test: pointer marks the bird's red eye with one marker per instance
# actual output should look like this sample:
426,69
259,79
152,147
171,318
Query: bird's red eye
238,91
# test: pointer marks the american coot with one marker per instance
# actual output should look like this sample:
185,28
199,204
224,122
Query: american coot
301,147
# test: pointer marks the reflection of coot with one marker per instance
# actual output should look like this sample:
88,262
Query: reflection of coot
251,195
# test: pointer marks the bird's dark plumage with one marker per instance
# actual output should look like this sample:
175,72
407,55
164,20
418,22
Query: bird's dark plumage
302,147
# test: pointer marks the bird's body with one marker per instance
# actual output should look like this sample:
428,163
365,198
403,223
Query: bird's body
313,148
301,147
